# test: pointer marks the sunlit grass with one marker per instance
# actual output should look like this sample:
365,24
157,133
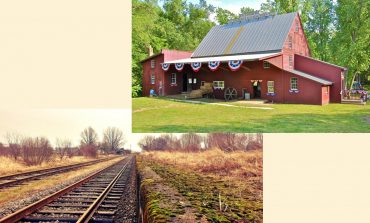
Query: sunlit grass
160,115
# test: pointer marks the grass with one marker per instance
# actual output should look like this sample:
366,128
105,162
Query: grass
10,166
210,186
161,115
19,192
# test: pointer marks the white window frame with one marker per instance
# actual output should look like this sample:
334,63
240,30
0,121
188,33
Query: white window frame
266,64
173,78
290,42
290,60
219,85
152,78
152,64
271,84
294,83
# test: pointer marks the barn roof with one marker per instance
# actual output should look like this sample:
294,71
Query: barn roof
266,34
311,77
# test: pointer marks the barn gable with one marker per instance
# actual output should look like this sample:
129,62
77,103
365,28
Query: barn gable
266,34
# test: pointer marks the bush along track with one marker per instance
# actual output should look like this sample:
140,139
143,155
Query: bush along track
173,195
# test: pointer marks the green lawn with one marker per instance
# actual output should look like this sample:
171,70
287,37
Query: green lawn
161,115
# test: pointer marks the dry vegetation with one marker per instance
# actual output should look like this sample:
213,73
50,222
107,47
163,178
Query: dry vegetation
15,193
208,186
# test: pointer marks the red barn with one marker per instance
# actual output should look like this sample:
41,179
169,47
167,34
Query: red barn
265,57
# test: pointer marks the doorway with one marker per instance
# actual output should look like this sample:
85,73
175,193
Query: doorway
256,89
184,82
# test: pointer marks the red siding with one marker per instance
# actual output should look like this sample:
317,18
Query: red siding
323,70
299,44
310,92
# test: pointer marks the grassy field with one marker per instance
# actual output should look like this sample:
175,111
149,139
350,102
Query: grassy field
161,115
10,166
210,186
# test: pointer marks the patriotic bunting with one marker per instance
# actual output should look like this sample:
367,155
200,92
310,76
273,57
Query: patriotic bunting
213,65
179,66
235,64
196,66
165,66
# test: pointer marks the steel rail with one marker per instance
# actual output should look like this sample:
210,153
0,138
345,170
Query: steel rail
18,215
89,213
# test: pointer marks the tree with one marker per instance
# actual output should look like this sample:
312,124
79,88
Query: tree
89,137
37,150
190,142
14,143
247,11
351,41
113,139
319,17
223,16
63,147
147,142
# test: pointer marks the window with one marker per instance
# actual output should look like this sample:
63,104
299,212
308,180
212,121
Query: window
266,64
270,87
296,27
327,90
290,61
152,79
290,44
218,85
173,78
202,83
152,63
293,83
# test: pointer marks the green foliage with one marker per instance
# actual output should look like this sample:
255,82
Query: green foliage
178,25
223,16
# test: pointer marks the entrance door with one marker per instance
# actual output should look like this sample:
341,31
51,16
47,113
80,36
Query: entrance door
184,82
256,89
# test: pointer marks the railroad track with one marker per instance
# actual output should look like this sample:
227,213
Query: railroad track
92,199
20,178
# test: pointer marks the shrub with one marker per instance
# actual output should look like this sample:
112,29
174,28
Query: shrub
35,151
89,150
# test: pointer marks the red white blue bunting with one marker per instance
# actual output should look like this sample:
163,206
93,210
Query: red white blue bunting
196,66
235,64
213,65
165,66
179,66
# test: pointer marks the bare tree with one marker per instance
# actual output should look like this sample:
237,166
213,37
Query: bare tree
89,137
190,142
63,147
147,142
113,139
37,150
14,143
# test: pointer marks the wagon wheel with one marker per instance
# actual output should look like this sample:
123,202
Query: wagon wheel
230,94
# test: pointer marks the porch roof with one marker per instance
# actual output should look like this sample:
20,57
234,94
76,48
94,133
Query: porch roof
248,57
311,77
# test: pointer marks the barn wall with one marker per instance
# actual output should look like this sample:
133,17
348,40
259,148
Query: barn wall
299,44
310,92
147,71
324,71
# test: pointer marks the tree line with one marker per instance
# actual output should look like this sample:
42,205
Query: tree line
337,31
192,142
37,150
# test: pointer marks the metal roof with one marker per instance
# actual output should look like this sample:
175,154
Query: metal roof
266,34
309,76
249,57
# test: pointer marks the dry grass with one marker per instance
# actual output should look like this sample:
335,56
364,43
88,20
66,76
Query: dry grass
14,193
10,166
214,162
